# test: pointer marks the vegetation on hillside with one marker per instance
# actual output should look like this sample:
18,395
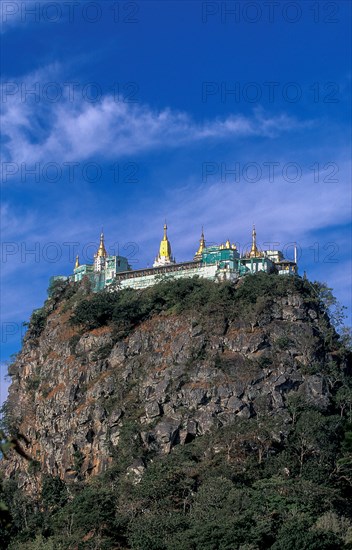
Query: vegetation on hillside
295,495
126,308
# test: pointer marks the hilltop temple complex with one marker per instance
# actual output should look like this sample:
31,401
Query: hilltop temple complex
221,262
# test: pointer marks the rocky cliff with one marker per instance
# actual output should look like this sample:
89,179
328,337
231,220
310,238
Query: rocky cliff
80,395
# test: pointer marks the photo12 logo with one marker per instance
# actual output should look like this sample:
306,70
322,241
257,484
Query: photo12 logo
69,11
12,331
270,92
269,172
236,12
54,92
70,172
53,251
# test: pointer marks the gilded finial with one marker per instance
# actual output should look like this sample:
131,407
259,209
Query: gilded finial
254,253
165,248
77,262
254,235
101,249
202,245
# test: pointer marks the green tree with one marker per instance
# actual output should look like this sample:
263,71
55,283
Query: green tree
298,535
315,438
344,401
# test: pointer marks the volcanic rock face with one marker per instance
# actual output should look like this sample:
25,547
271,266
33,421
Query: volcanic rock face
77,397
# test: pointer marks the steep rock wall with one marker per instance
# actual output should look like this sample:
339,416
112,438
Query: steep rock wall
77,398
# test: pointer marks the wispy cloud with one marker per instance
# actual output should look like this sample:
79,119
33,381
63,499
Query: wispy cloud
290,219
76,130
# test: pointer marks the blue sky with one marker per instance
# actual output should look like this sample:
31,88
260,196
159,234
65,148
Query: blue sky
122,114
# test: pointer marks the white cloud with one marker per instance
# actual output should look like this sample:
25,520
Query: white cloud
76,130
280,209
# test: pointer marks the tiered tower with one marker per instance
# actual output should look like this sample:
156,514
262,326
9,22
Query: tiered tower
100,256
198,254
164,256
254,252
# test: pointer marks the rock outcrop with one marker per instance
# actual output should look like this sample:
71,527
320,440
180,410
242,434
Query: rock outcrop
78,397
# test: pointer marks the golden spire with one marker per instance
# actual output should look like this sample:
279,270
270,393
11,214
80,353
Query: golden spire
201,246
254,250
165,246
228,244
77,262
101,249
